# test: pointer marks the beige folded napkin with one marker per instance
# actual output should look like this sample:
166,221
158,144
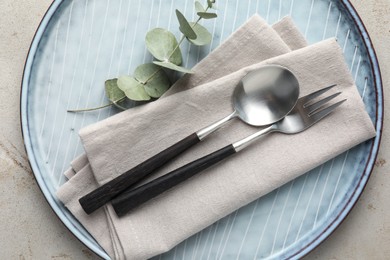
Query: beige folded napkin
165,221
255,31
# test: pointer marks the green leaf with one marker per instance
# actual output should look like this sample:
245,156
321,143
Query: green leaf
163,45
205,15
210,3
185,26
113,92
172,66
157,79
203,35
133,89
199,7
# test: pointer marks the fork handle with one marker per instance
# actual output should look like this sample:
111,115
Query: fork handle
131,199
100,196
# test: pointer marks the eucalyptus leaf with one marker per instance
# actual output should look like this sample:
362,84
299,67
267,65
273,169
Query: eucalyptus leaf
206,15
157,81
210,3
185,26
163,45
199,7
133,89
172,66
203,35
113,92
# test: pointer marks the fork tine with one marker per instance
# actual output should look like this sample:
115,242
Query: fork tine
317,116
315,94
312,108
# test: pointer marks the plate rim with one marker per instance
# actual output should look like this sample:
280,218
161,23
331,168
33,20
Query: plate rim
26,133
374,150
316,241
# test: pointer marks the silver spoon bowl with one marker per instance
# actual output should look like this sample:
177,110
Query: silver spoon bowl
264,96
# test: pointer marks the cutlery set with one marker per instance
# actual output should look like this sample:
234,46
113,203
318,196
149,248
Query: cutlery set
266,97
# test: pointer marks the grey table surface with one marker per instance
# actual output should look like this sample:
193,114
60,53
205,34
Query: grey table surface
30,229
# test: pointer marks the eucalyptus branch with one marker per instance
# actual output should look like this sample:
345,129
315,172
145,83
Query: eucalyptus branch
150,81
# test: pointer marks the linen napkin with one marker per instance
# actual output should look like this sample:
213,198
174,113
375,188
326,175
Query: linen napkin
253,40
162,223
250,31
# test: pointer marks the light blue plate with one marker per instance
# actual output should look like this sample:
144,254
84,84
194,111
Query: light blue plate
81,43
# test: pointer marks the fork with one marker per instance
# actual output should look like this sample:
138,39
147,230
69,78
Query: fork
306,113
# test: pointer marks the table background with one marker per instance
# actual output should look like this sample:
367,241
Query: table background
30,229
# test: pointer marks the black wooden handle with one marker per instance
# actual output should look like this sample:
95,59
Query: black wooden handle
131,199
97,198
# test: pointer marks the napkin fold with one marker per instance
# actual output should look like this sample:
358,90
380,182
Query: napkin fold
129,138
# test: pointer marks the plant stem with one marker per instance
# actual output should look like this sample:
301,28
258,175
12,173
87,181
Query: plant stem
119,106
97,108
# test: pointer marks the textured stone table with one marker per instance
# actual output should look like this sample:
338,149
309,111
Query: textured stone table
30,229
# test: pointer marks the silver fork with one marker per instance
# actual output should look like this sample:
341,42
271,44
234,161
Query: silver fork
306,113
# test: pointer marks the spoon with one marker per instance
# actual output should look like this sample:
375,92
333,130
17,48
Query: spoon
264,96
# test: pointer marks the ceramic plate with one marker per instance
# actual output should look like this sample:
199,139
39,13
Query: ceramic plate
81,43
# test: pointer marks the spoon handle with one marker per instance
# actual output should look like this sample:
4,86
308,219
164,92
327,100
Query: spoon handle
100,196
131,199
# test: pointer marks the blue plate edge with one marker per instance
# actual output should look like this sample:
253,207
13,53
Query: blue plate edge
26,134
375,143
